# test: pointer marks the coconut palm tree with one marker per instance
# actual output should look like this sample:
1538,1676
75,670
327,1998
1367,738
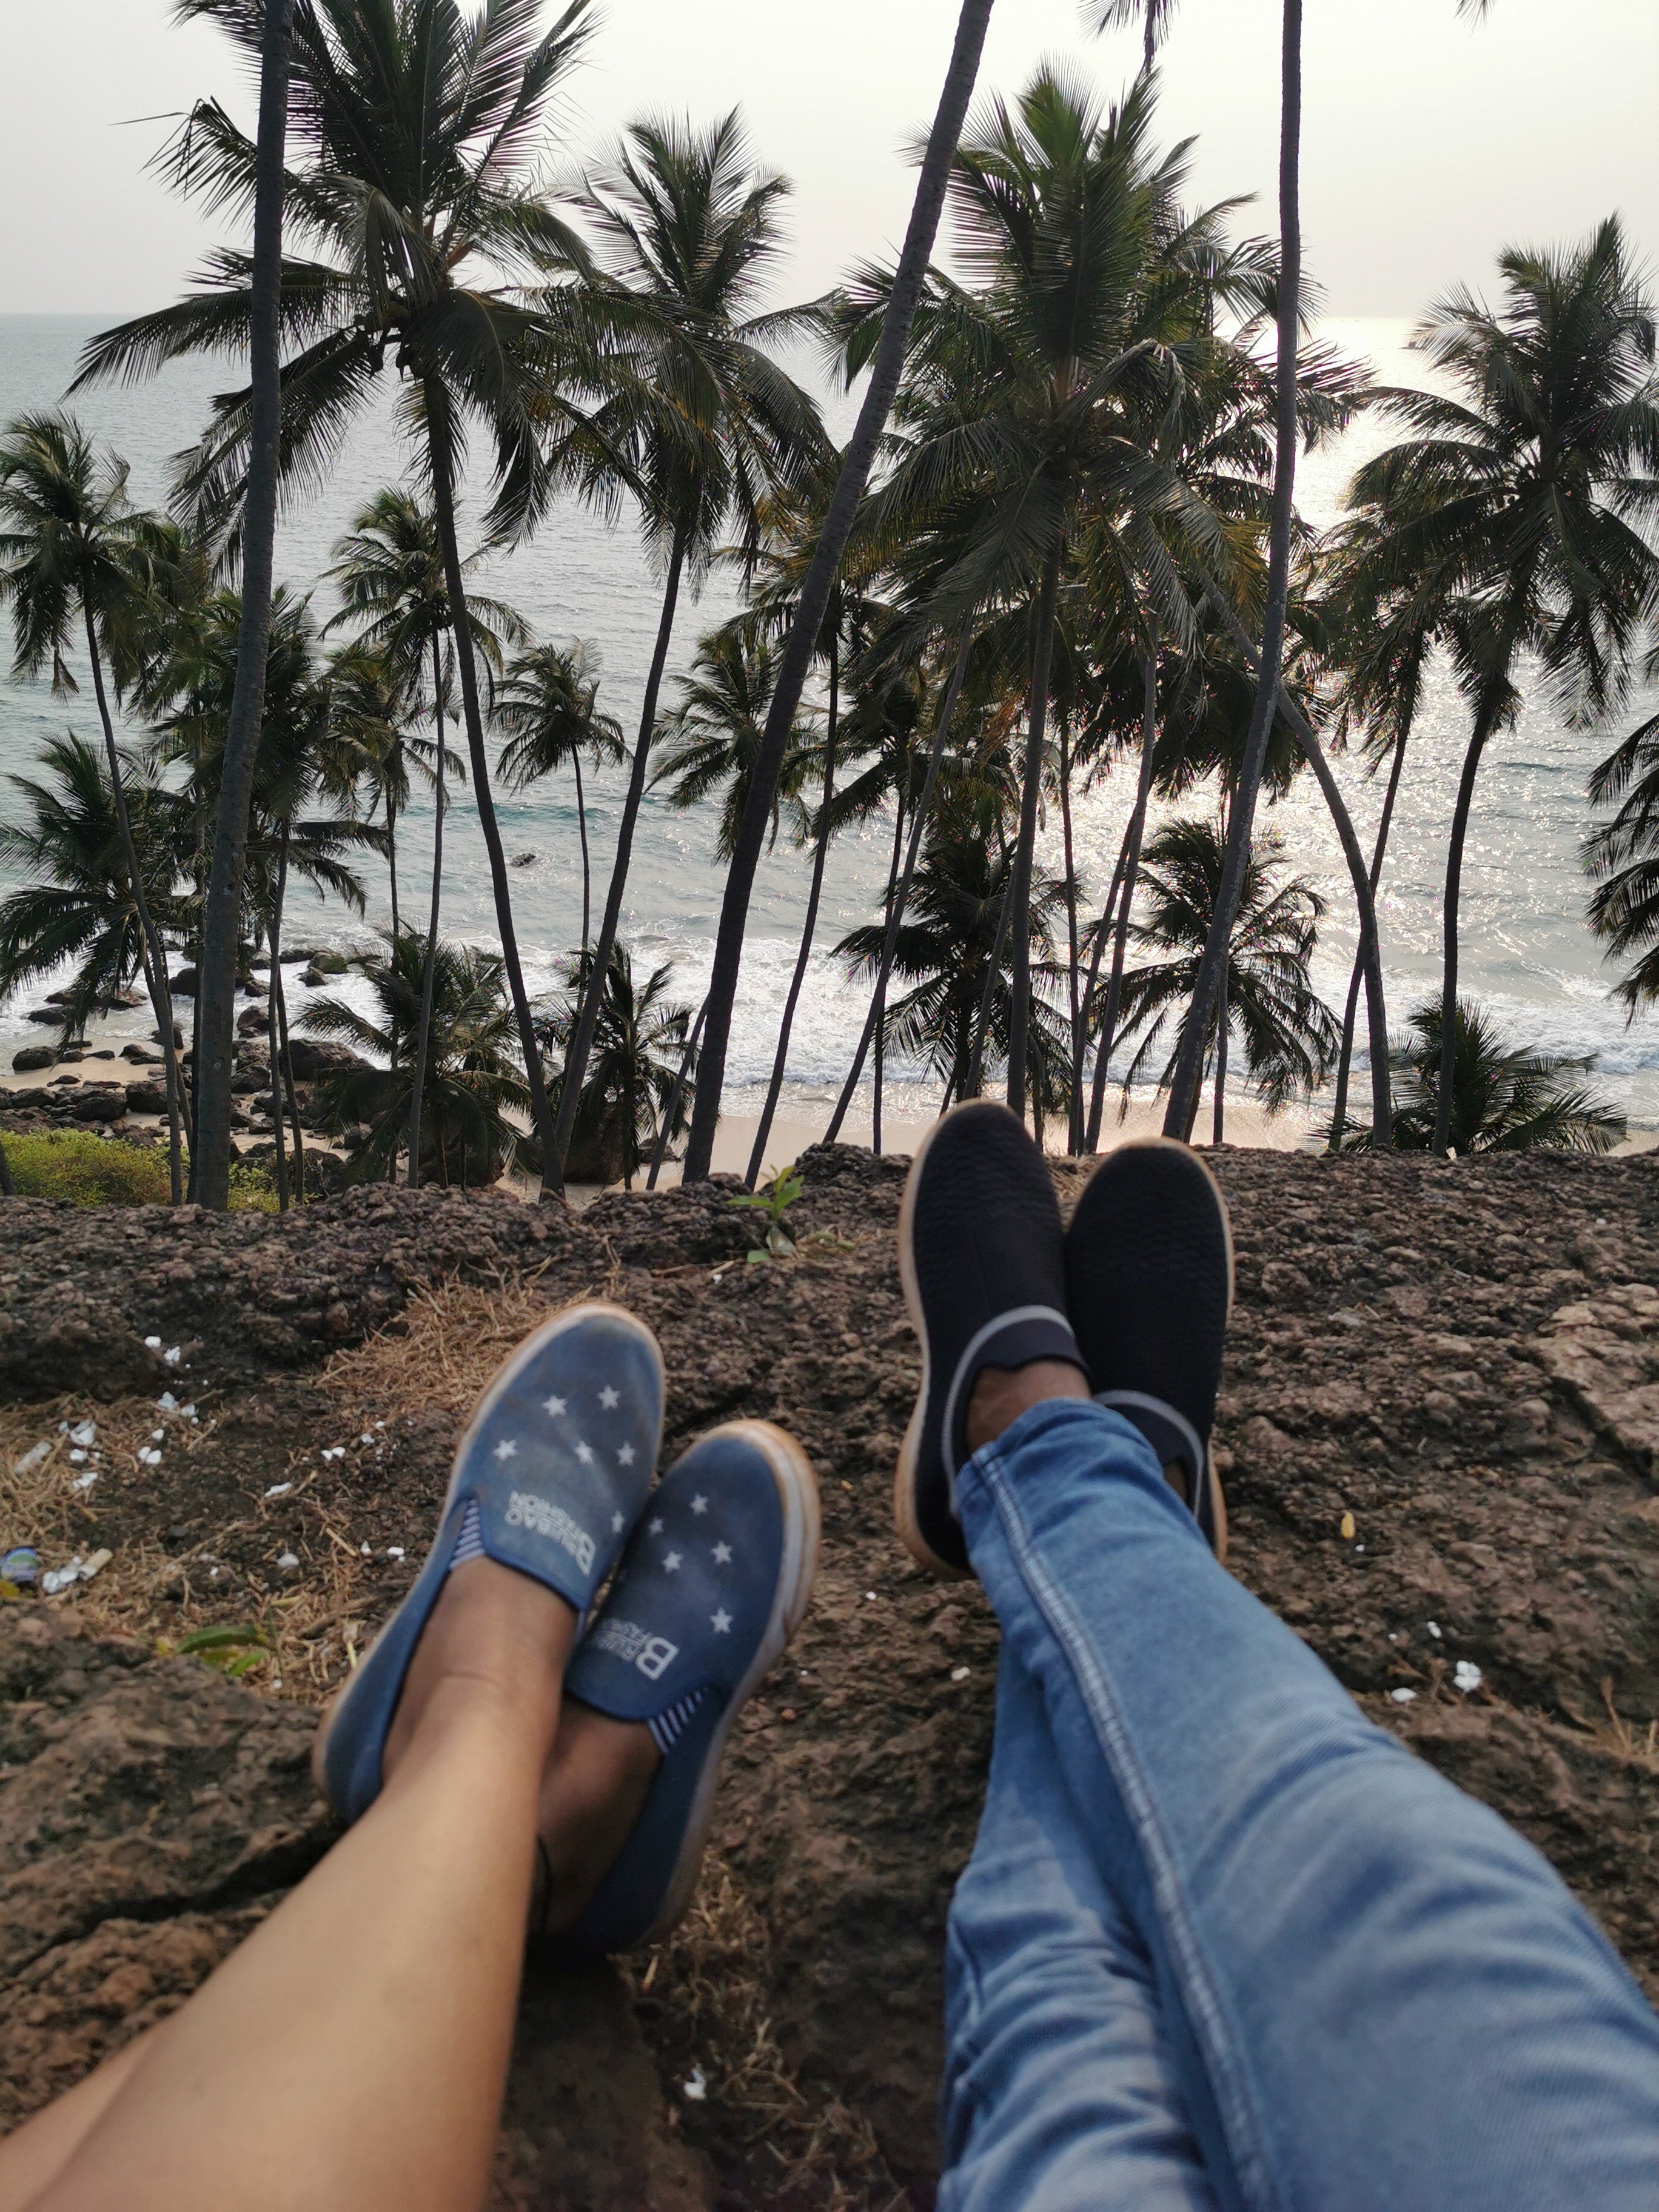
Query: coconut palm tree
1622,855
807,628
636,1074
711,739
473,1081
547,708
1288,1035
1522,504
1153,15
67,537
689,228
421,135
1504,1099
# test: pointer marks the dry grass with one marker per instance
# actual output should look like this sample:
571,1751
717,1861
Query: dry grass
710,1980
439,1353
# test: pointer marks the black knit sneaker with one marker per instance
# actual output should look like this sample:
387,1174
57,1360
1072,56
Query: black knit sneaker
1149,1286
981,1253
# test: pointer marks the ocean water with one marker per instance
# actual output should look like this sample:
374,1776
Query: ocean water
1525,950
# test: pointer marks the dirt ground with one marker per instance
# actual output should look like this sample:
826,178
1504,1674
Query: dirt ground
1439,1417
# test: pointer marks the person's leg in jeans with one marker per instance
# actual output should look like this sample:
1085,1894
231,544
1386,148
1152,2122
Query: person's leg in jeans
1372,1993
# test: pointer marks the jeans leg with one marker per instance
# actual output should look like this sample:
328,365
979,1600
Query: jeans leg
1059,2092
1378,1997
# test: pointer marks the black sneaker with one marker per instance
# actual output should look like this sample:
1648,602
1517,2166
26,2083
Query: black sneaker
1149,1286
982,1253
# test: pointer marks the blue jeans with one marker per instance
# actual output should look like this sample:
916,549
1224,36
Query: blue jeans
1222,1942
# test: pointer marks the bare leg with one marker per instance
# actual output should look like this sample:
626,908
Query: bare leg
353,2051
594,1790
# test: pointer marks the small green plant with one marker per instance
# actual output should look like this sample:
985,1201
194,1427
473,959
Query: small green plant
774,1199
229,1652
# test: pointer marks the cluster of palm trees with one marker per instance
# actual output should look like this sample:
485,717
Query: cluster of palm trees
1060,547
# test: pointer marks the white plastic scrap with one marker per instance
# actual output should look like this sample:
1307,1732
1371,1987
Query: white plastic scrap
152,1344
36,1455
333,1451
1467,1675
394,1550
158,1435
149,1456
958,1674
171,1358
287,1561
84,1482
1403,1697
1434,1630
279,1489
167,1402
85,1434
78,1571
77,1459
697,2088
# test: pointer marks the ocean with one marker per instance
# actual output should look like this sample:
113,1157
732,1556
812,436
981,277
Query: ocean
1527,952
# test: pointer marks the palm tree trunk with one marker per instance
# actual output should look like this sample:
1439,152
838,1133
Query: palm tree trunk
1219,1116
153,957
581,1042
1340,1110
293,1098
975,1082
1152,38
1036,721
273,1024
672,1106
1074,1108
429,972
215,1033
878,998
443,488
581,830
391,857
781,1058
1107,928
814,604
896,905
1189,1061
1485,721
1377,1013
1131,870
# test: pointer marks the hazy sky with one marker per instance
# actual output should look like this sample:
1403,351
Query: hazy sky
1428,142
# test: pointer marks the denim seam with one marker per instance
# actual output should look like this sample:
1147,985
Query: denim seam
1234,2102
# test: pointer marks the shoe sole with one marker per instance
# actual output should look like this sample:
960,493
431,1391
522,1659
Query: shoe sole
1217,1496
536,1343
797,1494
904,1476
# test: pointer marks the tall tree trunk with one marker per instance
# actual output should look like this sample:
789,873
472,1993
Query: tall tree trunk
215,1033
976,1083
290,1088
391,857
429,971
582,831
781,1058
440,432
672,1107
581,1042
1340,1110
1107,928
1223,1019
1031,791
153,959
1150,55
1189,1061
808,625
1131,870
273,1024
1485,721
1371,951
878,997
1074,1103
896,905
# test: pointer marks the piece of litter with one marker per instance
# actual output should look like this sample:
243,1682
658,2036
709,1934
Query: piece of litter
958,1674
1403,1697
1346,1531
152,1344
697,2088
1466,1676
287,1560
213,1574
20,1566
77,1459
189,1412
368,1437
84,1433
871,1596
1434,1630
279,1489
158,1435
149,1456
394,1550
333,1451
84,1482
366,1550
171,1358
78,1571
36,1455
167,1402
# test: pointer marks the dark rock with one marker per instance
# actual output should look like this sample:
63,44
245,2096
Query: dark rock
329,963
102,1053
178,1037
312,1057
184,983
313,979
49,1018
147,1098
34,1057
523,860
140,1055
253,1021
100,1104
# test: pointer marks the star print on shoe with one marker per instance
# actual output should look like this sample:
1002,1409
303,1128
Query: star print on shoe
525,1498
682,1643
610,1399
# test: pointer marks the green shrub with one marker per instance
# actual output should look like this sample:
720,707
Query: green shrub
93,1171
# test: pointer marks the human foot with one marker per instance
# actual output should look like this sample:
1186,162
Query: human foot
548,1480
1149,1286
982,1260
714,1583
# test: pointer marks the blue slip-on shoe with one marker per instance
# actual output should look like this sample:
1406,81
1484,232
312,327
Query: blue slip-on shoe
981,1257
714,1583
557,1460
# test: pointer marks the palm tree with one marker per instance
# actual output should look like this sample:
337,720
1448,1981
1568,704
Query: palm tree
807,628
256,534
548,709
1503,1100
1154,17
713,736
1518,505
689,229
1623,856
636,1077
67,533
1288,1033
78,902
473,1082
421,133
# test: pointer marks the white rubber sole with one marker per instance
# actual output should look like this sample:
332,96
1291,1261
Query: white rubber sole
505,1375
798,1495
